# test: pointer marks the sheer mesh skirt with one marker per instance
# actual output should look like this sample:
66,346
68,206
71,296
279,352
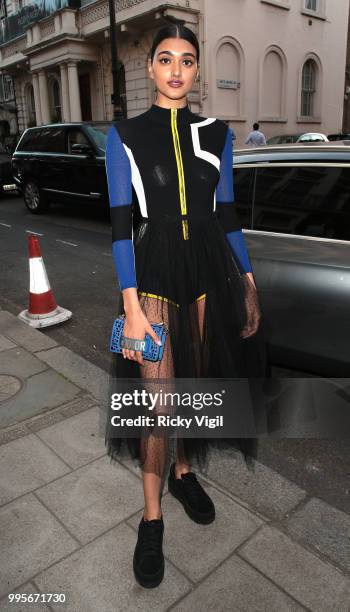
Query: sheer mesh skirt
215,328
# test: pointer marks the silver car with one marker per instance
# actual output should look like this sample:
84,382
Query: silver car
294,204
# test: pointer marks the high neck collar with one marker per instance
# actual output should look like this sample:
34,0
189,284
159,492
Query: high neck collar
164,115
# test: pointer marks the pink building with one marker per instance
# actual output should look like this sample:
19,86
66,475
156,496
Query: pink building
279,62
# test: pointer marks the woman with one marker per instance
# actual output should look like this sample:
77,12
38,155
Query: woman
180,259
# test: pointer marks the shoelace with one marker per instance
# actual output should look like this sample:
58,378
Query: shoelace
150,541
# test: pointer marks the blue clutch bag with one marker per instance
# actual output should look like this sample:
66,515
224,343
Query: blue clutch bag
151,351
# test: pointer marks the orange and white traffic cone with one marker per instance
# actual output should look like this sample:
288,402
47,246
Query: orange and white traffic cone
43,310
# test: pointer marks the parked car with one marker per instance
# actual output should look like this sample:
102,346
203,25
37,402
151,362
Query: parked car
283,139
62,162
332,137
294,204
301,137
312,137
7,183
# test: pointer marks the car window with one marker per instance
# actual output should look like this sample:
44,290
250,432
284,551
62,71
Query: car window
29,140
98,133
51,140
311,138
243,193
43,140
305,200
76,136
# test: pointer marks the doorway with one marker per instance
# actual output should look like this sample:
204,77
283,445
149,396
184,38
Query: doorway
85,96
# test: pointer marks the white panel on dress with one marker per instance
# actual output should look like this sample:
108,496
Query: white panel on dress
206,155
137,181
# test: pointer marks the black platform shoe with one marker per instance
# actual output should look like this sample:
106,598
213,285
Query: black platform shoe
148,556
190,493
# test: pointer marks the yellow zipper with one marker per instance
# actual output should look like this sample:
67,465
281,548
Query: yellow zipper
180,171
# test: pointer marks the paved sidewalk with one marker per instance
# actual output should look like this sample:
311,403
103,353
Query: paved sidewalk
68,517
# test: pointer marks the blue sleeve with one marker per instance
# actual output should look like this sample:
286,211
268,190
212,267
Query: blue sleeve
226,208
119,180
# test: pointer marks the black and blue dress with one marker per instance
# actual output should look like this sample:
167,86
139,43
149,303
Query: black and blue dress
177,238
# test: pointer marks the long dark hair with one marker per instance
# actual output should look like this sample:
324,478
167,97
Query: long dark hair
174,30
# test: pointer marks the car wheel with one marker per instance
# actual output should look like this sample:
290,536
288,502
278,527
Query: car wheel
34,199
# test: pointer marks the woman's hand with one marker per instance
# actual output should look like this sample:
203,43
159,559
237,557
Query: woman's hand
252,324
252,307
136,325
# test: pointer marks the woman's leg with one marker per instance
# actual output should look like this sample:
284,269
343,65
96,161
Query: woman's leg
154,448
182,465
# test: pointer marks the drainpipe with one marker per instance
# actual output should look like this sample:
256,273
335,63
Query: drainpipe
117,109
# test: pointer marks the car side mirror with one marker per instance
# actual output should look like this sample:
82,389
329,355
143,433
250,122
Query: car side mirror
82,149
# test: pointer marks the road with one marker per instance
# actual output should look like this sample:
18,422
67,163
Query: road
76,247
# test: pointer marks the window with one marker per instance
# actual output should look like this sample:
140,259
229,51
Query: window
311,5
3,12
29,141
310,200
243,179
6,88
30,104
308,88
315,8
44,140
76,136
56,101
2,94
52,140
98,133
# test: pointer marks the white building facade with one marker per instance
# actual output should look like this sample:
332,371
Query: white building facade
278,62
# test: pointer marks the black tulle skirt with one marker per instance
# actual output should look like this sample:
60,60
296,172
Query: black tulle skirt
195,286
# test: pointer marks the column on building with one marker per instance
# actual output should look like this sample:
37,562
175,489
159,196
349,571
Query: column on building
65,93
74,92
44,98
35,81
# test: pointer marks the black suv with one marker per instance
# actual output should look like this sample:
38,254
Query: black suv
62,162
7,183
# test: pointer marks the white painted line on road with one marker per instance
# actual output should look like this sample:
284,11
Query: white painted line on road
65,242
108,254
5,224
37,233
